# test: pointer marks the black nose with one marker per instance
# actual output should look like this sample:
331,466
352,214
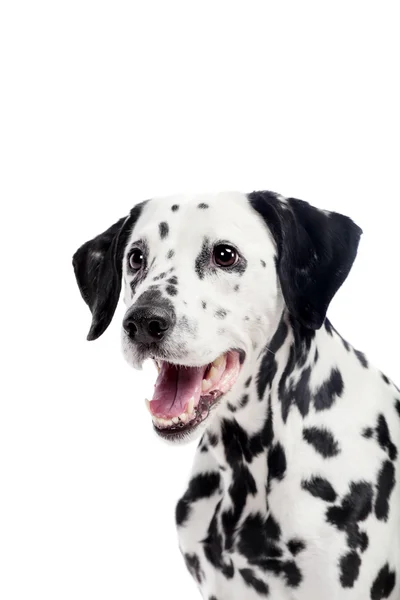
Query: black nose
147,324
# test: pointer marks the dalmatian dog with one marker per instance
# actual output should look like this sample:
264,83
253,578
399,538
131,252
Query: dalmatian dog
295,487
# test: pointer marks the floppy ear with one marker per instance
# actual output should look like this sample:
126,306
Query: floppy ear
316,250
98,271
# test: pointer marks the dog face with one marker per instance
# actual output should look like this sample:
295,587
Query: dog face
206,280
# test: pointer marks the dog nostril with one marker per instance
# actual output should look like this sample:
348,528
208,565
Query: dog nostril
131,329
157,327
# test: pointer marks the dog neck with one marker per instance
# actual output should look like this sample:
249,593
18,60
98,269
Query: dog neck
276,401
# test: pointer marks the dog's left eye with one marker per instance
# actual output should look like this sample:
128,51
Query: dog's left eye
225,255
136,259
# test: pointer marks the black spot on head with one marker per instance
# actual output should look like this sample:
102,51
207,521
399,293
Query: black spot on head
203,259
163,229
231,407
174,207
247,382
193,565
383,584
276,462
182,512
320,488
204,304
254,582
220,313
368,432
331,389
170,254
264,264
385,379
349,566
236,288
361,357
385,486
202,205
322,441
171,290
244,401
173,280
384,439
160,276
212,438
296,546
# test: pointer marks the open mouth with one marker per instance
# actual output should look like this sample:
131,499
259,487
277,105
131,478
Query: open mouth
184,396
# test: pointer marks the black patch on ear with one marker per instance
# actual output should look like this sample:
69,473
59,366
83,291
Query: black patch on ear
98,271
316,251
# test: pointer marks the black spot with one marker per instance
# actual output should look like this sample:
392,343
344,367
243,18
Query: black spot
276,462
204,304
364,541
316,356
368,432
383,584
212,438
322,441
383,435
254,582
193,564
385,379
385,486
356,506
231,407
160,276
236,288
349,566
171,290
247,382
268,366
203,259
163,229
320,488
213,598
173,280
203,449
221,313
182,512
361,357
244,401
328,327
253,541
397,406
264,264
272,528
329,391
201,486
174,207
296,546
202,205
288,569
170,254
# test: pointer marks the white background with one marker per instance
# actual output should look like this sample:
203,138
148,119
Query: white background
104,104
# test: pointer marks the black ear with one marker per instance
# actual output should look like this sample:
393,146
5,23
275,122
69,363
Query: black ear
316,250
98,271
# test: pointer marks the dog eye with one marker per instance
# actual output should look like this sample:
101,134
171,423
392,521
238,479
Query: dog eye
136,259
225,256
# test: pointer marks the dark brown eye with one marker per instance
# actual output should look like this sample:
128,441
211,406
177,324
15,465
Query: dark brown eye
225,256
136,259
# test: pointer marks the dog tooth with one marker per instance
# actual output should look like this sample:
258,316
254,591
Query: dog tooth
190,406
205,385
218,361
184,417
213,373
175,420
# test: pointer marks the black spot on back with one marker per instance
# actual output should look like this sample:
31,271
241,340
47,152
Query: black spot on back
221,313
368,432
320,488
170,254
362,358
322,441
272,528
202,205
174,207
163,229
385,379
356,506
349,566
296,546
383,584
204,304
384,486
329,391
264,264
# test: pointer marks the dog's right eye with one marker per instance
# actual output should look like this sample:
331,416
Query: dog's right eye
136,259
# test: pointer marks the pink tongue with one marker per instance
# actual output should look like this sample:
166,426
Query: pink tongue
174,388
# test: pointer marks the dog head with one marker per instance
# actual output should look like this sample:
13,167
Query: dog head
206,280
